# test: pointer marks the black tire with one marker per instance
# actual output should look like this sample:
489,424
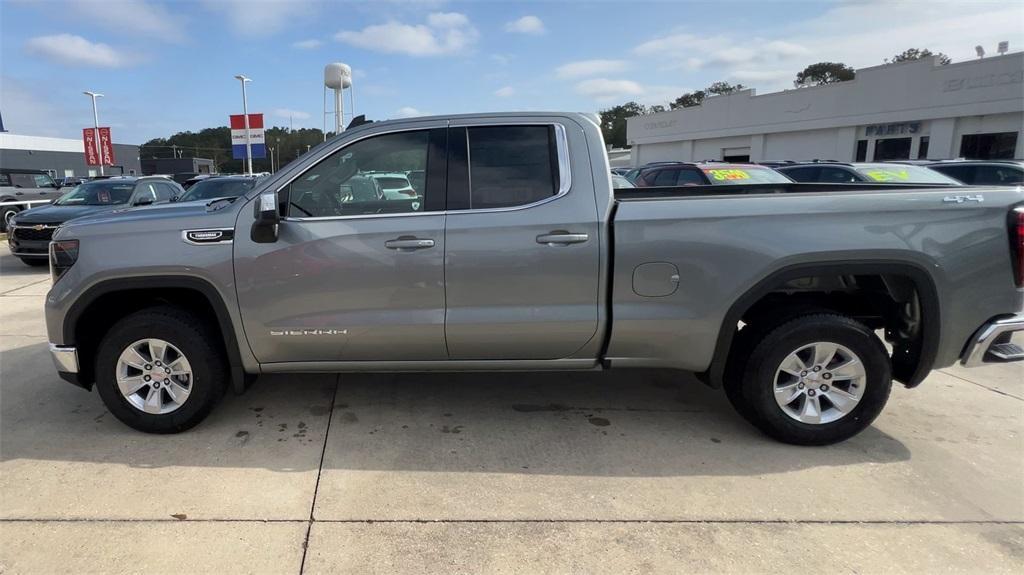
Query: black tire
35,262
756,390
6,212
196,339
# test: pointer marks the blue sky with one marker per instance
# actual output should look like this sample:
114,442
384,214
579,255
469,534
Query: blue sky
168,66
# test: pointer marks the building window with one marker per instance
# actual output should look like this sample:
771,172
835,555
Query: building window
988,146
922,151
892,149
862,151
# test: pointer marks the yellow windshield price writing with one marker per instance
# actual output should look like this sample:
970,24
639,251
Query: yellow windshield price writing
728,174
887,175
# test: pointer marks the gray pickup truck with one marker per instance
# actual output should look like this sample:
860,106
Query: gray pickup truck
512,251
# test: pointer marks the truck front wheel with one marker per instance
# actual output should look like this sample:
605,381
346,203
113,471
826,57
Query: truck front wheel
161,370
815,380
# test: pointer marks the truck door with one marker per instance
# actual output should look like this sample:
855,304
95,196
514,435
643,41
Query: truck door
521,242
354,274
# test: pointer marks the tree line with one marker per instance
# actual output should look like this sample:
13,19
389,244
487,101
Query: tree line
613,120
215,144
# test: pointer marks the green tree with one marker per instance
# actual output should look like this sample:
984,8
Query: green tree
823,73
613,122
697,97
215,144
917,54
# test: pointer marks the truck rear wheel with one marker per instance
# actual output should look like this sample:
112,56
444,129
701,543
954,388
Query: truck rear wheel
815,380
161,370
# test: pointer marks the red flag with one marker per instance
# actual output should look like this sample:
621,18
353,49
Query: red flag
92,154
106,147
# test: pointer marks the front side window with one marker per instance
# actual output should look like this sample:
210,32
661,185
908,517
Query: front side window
836,176
511,165
32,181
998,175
370,176
666,177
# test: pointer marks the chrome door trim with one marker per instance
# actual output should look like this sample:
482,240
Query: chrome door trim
561,147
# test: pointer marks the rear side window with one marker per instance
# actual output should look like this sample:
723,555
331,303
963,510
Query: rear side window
511,165
997,175
836,176
165,192
802,174
665,178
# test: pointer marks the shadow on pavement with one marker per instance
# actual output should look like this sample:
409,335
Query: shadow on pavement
628,424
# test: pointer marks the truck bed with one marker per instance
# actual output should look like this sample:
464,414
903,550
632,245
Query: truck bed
627,194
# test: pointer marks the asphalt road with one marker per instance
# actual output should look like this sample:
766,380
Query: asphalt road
626,472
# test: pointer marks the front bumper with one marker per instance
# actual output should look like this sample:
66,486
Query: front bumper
28,248
65,359
982,347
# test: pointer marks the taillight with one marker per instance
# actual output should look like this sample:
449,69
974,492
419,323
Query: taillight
63,255
1016,226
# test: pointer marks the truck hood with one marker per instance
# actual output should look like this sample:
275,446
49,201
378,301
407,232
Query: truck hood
52,214
161,217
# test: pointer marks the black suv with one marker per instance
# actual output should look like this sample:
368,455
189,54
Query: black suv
872,172
983,172
30,231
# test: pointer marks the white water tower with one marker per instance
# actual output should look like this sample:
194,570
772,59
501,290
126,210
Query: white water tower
338,77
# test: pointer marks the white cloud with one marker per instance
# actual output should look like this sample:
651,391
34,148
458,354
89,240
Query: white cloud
526,25
408,112
29,109
773,61
261,18
505,92
444,33
584,68
71,50
310,44
604,89
135,17
289,114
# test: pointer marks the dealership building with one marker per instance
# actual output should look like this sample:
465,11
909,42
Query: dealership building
62,157
910,110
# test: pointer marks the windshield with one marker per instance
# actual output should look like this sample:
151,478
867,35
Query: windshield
745,175
217,188
101,193
904,174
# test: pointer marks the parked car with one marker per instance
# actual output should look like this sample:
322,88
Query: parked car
218,187
841,172
708,173
196,179
619,182
18,187
69,181
508,262
30,231
983,172
394,186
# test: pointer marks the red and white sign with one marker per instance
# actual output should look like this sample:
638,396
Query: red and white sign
106,147
256,139
98,152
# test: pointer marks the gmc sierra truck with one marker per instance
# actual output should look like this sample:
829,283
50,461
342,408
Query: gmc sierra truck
511,251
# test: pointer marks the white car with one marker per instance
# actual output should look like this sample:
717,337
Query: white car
394,186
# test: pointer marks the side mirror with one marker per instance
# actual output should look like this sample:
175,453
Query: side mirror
143,202
264,229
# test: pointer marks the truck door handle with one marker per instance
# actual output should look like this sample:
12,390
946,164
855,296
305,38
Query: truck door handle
409,244
560,238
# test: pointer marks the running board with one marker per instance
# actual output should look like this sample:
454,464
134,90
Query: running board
1003,352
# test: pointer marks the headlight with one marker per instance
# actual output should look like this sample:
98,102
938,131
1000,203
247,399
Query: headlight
63,255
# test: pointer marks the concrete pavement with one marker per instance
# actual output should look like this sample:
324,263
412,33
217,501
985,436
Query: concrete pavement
591,472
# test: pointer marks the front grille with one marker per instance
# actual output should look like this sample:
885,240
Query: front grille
31,233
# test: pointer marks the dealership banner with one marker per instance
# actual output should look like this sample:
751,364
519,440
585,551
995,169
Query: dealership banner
259,150
98,152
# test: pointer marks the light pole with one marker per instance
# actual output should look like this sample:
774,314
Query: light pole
96,124
245,112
